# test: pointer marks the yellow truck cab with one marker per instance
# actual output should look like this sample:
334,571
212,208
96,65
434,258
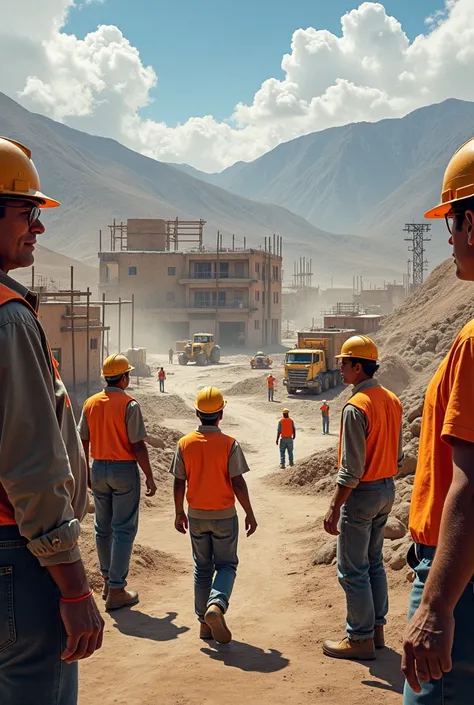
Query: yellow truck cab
312,364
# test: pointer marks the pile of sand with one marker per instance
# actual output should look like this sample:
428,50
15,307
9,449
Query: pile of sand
251,386
156,408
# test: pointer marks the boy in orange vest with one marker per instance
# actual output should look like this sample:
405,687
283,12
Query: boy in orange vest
211,466
161,379
370,454
112,428
286,434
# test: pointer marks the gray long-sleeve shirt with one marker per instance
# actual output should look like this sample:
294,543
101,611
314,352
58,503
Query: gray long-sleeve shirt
353,441
42,463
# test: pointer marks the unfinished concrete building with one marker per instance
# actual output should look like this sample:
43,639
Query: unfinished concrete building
182,287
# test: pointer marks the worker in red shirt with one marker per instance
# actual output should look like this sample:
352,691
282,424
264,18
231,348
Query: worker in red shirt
270,386
161,379
324,409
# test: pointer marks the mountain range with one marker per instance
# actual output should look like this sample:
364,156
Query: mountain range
97,179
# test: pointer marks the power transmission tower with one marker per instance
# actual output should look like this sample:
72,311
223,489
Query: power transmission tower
417,236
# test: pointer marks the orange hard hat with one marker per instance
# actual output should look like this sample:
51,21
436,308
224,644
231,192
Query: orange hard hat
458,181
116,365
18,175
209,401
359,346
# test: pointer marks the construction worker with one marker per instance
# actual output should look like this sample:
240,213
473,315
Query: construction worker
370,454
114,434
324,409
161,379
48,616
271,386
170,356
286,434
211,465
438,659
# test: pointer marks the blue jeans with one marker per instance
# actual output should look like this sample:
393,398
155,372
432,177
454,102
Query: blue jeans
360,566
214,544
270,393
286,444
325,425
456,687
32,635
116,489
162,385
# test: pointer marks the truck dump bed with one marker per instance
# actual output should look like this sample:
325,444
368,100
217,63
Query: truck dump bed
329,340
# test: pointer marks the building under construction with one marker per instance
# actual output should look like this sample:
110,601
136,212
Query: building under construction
182,287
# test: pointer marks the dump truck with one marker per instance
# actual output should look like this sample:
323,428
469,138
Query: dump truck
202,350
312,364
260,361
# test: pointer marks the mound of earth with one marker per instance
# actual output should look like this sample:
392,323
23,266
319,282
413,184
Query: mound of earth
158,407
250,387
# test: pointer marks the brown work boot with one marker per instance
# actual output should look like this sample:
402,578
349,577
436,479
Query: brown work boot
215,621
105,589
205,631
119,597
348,649
379,637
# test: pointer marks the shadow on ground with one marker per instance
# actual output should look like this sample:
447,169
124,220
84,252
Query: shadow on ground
144,626
387,668
247,657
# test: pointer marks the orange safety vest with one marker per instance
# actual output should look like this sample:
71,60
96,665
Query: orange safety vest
286,426
161,374
7,514
105,413
270,382
383,411
206,459
325,410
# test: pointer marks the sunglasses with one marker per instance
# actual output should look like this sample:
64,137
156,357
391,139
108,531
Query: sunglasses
451,220
33,214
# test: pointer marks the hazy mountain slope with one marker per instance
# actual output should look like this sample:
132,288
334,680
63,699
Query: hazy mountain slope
97,179
56,267
366,177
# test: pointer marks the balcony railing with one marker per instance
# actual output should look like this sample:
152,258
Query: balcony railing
222,275
212,304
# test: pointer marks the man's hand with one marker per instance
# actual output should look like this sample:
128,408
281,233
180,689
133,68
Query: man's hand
150,487
250,524
84,627
427,645
181,523
331,520
277,441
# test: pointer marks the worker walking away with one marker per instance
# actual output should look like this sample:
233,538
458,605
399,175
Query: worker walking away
438,658
48,616
170,356
324,408
286,434
211,465
370,454
161,379
113,432
270,386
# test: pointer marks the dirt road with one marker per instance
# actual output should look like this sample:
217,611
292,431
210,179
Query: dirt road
281,609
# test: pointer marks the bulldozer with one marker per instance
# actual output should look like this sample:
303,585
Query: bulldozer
260,361
202,350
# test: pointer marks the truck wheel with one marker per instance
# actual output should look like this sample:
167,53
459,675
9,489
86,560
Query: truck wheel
326,383
290,390
201,359
182,359
215,355
336,378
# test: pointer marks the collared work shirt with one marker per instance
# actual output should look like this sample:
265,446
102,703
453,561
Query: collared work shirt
353,441
237,465
136,430
42,463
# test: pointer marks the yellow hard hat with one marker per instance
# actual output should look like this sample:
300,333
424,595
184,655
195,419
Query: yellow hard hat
18,175
458,181
285,411
210,400
359,346
116,365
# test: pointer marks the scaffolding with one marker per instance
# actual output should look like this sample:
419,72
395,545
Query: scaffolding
417,236
178,233
302,273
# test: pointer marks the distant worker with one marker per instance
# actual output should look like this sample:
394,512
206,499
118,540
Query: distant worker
438,659
112,428
211,465
161,379
48,616
324,409
170,356
271,386
370,454
286,434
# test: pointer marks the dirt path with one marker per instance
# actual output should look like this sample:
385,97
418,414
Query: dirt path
281,609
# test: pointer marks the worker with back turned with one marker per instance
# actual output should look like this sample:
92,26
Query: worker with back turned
286,434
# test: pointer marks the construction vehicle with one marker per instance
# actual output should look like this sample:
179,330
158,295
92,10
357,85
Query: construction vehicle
137,358
312,364
260,361
202,350
180,345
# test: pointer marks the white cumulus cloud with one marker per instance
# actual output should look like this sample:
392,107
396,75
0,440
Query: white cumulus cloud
369,71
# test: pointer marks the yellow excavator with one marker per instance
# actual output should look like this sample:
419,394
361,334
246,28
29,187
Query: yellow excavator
202,350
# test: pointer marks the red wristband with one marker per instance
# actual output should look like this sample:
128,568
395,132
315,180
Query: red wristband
69,600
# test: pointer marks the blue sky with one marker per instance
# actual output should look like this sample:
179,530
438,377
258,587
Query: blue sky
211,54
